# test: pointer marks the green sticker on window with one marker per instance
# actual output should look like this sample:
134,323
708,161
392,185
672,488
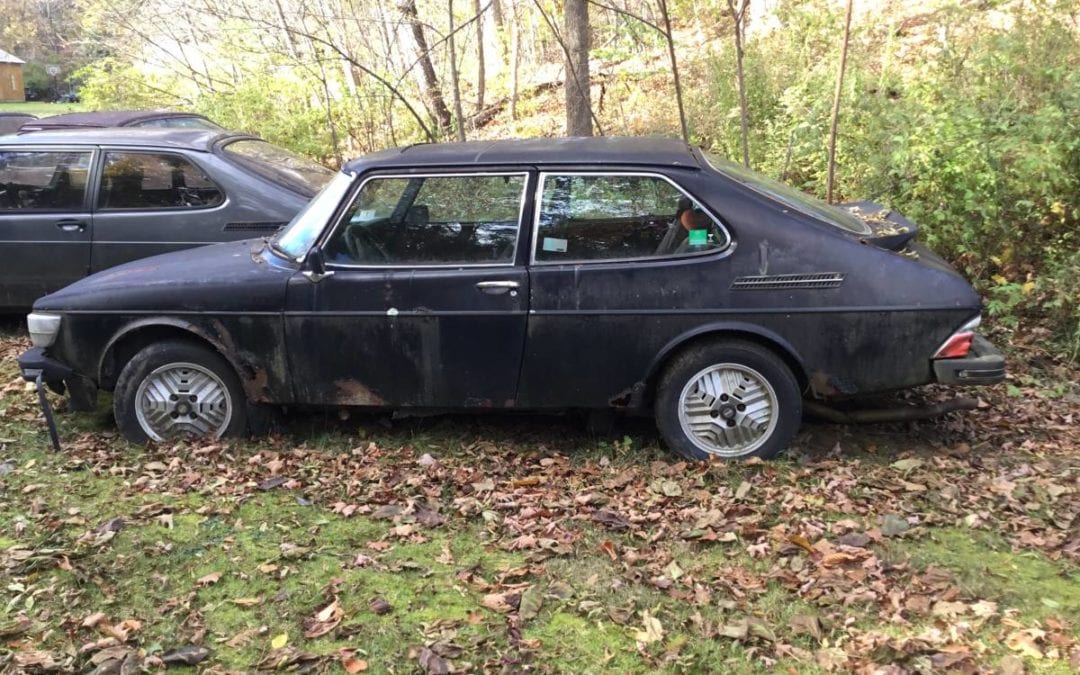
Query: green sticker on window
699,237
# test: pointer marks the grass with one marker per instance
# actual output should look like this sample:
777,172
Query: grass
210,554
985,566
41,109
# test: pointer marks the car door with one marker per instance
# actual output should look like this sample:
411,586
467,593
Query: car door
44,220
149,202
425,299
621,264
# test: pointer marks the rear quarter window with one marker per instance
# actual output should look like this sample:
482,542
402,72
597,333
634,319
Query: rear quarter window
596,217
144,180
278,165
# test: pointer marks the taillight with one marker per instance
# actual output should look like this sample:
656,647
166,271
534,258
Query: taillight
959,343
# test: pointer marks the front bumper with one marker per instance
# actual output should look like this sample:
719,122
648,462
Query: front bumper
984,364
35,362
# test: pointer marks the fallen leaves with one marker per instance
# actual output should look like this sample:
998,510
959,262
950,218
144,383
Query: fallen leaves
188,655
652,630
324,620
824,537
504,603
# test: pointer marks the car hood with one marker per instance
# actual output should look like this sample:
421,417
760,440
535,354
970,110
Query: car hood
238,276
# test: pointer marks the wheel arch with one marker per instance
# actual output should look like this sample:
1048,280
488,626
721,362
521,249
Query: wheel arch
138,334
726,330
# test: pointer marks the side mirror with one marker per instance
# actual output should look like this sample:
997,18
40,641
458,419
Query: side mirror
315,265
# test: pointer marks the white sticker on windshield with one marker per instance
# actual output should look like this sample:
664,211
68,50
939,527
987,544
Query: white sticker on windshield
366,214
554,245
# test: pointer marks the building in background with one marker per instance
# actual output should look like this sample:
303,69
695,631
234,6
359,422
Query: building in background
11,77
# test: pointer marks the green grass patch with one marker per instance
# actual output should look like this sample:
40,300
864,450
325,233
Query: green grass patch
41,109
985,567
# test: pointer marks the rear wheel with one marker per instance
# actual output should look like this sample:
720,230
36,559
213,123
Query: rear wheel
177,389
728,399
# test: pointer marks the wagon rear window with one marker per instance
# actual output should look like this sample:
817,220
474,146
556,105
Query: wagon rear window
612,217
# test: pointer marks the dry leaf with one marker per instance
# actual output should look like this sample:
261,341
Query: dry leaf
652,630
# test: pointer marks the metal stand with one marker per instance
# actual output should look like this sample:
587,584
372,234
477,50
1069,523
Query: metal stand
46,409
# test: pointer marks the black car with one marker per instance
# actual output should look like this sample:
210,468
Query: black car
607,273
10,123
77,202
146,119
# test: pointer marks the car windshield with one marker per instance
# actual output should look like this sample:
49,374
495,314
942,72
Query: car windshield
279,165
788,196
298,236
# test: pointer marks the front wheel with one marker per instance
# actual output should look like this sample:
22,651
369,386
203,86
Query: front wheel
177,389
728,399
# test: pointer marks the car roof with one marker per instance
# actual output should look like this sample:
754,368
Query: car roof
601,150
108,118
188,139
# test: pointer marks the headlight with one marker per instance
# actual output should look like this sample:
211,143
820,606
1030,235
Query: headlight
43,328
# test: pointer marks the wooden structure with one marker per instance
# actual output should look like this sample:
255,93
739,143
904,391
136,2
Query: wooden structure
11,78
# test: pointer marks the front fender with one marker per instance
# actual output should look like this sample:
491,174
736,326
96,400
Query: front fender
157,323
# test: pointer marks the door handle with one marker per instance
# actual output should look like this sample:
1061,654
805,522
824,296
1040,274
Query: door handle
498,287
71,225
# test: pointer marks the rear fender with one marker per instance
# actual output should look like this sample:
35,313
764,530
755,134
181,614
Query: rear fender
732,329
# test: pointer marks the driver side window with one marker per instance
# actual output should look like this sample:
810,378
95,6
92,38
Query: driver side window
431,220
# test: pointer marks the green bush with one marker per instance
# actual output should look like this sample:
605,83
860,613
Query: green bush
975,136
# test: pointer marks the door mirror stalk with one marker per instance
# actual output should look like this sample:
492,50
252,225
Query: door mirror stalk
315,265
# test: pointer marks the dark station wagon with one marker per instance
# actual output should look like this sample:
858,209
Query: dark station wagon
146,119
597,274
77,202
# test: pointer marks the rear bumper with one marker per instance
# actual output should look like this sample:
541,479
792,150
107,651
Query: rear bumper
984,364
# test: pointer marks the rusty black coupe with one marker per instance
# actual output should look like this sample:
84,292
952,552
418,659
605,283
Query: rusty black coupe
634,274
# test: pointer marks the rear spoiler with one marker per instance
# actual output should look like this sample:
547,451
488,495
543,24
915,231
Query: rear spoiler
889,229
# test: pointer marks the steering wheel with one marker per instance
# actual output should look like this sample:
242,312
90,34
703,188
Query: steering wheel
362,247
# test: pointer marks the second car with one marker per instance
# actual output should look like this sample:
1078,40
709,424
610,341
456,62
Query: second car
77,202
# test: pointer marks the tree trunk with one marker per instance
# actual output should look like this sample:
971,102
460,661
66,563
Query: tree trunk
738,15
674,69
455,81
836,104
480,76
431,81
515,57
578,105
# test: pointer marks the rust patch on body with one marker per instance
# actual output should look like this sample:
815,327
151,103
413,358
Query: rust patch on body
622,399
351,392
823,385
629,398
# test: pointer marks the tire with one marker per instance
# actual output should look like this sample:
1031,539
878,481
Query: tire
727,428
173,374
